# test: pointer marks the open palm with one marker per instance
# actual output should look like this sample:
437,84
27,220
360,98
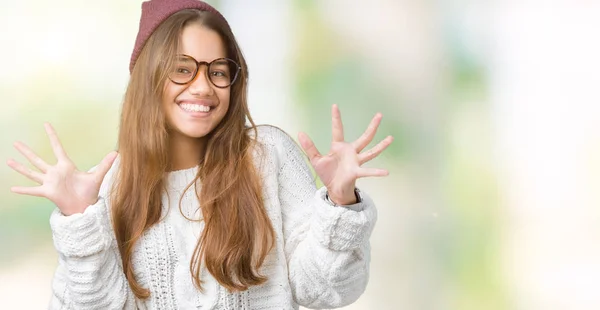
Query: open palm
339,169
70,189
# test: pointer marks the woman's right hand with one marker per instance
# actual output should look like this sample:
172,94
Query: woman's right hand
70,189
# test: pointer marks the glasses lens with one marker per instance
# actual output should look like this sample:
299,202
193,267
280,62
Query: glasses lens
183,70
223,72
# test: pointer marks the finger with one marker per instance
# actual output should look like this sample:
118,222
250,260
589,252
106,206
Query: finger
337,129
104,166
32,157
30,174
57,148
371,172
368,135
308,146
375,151
31,191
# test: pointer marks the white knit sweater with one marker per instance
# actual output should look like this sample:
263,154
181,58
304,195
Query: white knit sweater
320,259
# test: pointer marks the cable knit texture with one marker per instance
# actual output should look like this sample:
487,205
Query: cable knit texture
320,259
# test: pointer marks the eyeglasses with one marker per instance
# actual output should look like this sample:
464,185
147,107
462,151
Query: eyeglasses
222,72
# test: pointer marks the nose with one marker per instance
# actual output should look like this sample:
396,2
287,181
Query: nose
200,85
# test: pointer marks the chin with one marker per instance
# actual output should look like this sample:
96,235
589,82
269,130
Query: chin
195,134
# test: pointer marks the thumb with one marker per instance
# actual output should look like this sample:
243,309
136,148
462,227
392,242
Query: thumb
309,147
105,165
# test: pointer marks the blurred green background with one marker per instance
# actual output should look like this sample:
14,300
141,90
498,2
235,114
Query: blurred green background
491,202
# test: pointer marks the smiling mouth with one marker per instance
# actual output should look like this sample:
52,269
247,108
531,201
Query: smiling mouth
195,108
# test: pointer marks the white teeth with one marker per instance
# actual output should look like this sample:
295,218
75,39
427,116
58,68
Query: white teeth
194,107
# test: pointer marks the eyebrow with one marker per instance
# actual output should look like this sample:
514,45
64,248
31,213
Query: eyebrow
186,56
183,56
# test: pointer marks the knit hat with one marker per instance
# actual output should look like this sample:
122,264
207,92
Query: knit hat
154,12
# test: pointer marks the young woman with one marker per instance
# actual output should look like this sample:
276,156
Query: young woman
200,208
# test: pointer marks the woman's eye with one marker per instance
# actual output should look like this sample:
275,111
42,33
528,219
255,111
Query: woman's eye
219,74
182,71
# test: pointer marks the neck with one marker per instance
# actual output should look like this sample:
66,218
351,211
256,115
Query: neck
185,152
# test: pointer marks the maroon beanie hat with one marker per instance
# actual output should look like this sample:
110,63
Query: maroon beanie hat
154,12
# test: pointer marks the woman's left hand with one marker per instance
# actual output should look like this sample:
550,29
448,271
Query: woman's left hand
339,169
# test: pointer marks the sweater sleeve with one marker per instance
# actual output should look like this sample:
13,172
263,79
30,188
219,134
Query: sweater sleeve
327,247
89,273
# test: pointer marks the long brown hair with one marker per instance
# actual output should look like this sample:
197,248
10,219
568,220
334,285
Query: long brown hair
238,233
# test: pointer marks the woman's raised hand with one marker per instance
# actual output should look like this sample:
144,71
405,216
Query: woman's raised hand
70,189
339,169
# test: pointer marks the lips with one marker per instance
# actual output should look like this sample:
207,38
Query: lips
196,107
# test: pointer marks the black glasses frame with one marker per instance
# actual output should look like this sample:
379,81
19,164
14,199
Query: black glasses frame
199,63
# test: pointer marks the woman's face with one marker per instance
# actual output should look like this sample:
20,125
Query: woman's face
194,109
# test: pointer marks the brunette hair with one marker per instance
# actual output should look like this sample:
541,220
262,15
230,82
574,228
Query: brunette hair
238,233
